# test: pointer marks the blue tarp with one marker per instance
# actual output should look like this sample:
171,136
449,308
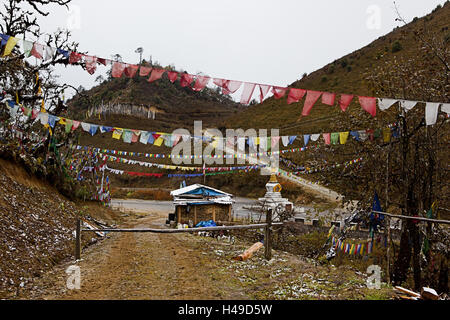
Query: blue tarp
205,192
203,224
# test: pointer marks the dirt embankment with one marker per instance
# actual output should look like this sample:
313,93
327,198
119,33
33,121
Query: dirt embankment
36,227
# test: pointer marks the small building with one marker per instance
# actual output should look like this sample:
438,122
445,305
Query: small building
197,203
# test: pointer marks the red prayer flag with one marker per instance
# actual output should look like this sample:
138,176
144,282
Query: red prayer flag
369,104
233,85
263,90
311,98
220,82
117,69
327,138
247,93
74,57
173,76
278,92
328,98
145,71
370,133
344,101
295,95
37,50
91,64
102,61
186,79
156,74
200,83
131,70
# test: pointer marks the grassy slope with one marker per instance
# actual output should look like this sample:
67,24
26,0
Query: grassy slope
36,227
344,75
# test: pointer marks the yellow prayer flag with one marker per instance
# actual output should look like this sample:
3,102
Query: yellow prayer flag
43,106
343,137
117,133
62,121
386,134
158,142
10,46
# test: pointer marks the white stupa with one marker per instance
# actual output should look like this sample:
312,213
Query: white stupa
273,199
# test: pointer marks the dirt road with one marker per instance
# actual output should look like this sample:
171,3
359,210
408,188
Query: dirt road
128,266
142,266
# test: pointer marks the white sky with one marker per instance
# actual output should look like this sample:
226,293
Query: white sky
263,41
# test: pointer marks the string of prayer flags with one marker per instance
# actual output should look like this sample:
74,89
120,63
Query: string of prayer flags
369,104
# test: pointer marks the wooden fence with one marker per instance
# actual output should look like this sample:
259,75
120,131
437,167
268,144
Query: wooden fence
267,226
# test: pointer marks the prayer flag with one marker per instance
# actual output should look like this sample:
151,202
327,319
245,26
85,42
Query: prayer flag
311,98
295,95
10,44
156,74
345,101
369,104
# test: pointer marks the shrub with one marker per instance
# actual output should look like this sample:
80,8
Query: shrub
344,63
396,46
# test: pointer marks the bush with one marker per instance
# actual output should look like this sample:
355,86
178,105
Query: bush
396,46
344,63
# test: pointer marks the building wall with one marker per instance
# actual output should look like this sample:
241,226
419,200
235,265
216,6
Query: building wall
216,212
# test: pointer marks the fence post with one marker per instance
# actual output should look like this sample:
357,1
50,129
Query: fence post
268,236
78,240
388,250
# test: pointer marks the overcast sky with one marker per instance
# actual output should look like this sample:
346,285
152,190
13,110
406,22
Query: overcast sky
263,41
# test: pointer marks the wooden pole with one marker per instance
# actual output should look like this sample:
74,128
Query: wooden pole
78,240
413,217
238,227
268,236
388,251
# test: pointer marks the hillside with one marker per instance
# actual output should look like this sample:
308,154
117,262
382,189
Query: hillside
349,74
176,107
37,227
